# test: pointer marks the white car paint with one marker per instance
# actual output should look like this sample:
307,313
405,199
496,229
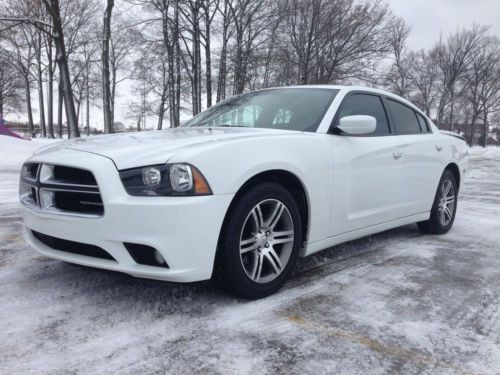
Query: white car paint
354,186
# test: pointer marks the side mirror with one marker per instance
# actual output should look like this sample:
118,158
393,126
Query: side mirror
359,124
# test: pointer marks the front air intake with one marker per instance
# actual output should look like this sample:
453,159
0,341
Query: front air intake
146,255
72,246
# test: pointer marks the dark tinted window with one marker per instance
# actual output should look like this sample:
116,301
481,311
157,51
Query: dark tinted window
423,123
404,118
364,104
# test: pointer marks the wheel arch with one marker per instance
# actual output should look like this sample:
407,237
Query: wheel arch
455,170
289,181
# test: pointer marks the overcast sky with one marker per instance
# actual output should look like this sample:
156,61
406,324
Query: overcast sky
428,18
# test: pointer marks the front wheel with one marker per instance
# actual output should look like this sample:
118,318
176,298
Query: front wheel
261,242
444,208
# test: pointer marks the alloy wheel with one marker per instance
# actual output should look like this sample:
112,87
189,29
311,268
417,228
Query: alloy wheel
446,206
266,240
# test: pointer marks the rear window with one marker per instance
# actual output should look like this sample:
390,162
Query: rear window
404,118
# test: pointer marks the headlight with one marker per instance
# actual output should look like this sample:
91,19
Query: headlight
178,179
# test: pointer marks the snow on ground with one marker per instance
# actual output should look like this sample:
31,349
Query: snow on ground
396,302
13,152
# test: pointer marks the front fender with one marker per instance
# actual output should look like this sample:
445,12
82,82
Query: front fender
228,165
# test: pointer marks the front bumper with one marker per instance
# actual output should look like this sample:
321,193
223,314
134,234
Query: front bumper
184,230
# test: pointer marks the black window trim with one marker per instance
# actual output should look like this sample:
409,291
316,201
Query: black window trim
386,98
427,127
392,129
336,131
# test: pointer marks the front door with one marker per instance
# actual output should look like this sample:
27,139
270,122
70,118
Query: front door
368,170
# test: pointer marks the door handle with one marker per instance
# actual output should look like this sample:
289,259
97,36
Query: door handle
397,155
439,148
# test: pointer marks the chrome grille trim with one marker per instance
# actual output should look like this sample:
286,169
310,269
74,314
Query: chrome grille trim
73,194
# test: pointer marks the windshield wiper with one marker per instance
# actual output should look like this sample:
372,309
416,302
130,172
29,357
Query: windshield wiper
230,126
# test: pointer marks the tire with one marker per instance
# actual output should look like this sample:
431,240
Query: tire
441,219
269,242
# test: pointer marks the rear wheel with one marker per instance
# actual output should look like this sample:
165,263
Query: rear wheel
261,242
444,207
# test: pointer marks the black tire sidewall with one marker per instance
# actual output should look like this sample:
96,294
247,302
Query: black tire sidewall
232,270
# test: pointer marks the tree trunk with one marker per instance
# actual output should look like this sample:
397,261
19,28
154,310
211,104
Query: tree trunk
452,108
485,129
177,108
472,128
41,104
60,102
28,106
87,102
208,57
62,64
50,92
112,97
106,97
171,42
160,114
221,81
195,63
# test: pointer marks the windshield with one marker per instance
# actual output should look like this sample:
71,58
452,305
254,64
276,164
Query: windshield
299,109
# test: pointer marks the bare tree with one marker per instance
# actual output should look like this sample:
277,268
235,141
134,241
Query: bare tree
453,56
398,79
424,76
53,9
106,81
11,88
335,40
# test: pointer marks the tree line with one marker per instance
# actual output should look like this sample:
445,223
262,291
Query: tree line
185,55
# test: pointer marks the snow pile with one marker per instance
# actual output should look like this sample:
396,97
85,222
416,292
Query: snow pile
15,151
479,153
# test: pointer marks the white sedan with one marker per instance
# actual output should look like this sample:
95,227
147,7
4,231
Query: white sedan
244,188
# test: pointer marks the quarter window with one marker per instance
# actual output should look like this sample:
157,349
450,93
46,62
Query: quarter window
369,105
423,123
404,118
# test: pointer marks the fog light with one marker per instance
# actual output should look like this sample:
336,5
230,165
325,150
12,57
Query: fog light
47,198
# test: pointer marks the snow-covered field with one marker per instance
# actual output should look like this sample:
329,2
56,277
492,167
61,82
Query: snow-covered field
397,302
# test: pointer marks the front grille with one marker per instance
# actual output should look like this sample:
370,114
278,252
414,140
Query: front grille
60,189
70,175
78,202
72,246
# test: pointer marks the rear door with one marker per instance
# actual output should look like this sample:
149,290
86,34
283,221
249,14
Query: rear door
368,170
420,155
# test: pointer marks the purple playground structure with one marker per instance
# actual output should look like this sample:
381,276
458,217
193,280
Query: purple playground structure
5,131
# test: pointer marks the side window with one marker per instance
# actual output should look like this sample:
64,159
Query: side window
423,123
404,118
365,104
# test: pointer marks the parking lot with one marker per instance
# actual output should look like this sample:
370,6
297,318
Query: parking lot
396,302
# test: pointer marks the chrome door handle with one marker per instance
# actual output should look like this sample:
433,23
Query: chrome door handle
397,155
439,148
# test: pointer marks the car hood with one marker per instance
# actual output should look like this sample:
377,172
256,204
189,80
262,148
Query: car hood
129,150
